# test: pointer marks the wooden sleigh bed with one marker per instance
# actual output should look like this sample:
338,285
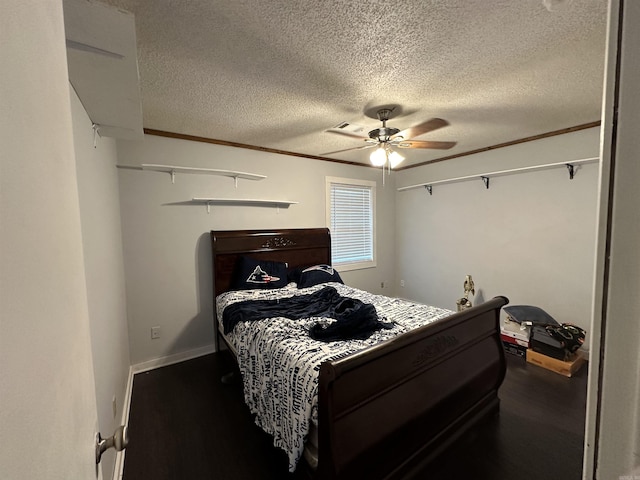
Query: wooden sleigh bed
389,410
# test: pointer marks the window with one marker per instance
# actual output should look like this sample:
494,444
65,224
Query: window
350,217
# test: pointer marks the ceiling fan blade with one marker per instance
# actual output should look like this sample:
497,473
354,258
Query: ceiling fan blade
425,144
422,128
353,148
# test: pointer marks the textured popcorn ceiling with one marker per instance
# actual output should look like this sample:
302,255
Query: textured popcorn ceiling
278,73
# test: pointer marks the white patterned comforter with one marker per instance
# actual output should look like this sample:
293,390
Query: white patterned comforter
279,361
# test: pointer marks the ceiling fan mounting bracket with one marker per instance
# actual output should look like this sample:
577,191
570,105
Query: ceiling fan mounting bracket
384,114
393,110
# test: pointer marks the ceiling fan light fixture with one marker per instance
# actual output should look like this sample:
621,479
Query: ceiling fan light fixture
378,157
395,159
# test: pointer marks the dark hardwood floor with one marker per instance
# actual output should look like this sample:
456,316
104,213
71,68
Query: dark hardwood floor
185,424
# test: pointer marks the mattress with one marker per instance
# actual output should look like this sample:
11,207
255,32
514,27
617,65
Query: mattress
279,361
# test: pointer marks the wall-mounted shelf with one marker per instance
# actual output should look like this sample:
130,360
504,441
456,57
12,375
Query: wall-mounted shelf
172,170
241,201
102,62
485,177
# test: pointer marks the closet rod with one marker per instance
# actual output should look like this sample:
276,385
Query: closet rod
498,173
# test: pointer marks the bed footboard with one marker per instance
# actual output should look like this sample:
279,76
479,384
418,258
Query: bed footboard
394,407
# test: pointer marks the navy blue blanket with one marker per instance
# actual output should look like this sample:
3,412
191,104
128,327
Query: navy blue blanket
355,319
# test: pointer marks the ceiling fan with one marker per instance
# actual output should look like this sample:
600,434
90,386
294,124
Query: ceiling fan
386,137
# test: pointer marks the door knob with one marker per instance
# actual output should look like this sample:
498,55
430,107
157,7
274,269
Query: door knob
119,440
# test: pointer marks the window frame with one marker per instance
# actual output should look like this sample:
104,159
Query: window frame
367,184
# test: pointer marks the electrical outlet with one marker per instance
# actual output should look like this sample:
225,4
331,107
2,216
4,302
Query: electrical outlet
155,332
402,283
114,406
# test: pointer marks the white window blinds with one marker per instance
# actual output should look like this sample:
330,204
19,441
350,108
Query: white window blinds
351,223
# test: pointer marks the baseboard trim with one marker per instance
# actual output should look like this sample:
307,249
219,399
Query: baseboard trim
584,353
171,359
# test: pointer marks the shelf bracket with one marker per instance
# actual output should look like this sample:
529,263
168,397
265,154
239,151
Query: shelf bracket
95,128
486,182
429,189
571,169
173,176
235,179
208,207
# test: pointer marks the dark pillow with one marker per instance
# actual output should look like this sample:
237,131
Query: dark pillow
311,276
250,273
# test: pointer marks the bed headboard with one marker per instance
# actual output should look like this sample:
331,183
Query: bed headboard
298,247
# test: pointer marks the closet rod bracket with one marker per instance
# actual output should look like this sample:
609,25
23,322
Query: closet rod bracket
571,169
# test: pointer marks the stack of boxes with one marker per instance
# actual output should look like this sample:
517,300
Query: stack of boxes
539,348
515,330
515,336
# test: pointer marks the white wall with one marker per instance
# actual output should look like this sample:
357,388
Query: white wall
167,249
104,270
47,398
530,236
